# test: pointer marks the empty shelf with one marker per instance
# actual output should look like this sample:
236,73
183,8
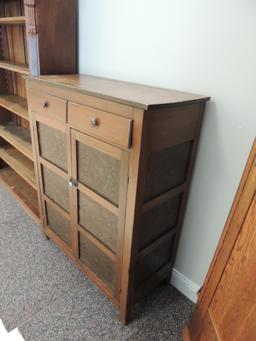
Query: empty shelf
21,190
18,137
15,104
20,163
20,68
12,20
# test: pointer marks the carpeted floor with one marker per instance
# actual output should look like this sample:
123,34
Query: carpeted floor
49,299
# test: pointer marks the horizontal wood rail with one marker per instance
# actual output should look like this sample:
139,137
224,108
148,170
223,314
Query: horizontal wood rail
56,207
13,20
97,243
20,163
151,247
19,68
53,168
157,201
15,104
18,137
98,199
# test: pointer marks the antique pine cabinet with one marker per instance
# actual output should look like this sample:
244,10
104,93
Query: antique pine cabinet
113,164
37,37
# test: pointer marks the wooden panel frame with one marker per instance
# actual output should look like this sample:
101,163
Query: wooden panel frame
34,118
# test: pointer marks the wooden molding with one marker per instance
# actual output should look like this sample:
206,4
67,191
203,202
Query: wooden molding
233,228
30,12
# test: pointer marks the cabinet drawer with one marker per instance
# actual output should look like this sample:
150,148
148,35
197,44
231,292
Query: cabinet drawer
51,106
101,124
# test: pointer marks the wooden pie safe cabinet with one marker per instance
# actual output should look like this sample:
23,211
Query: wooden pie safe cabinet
114,163
103,166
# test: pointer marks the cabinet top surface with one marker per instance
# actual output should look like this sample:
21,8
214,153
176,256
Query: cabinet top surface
136,95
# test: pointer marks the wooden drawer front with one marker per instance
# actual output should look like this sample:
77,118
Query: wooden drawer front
98,221
100,124
60,225
97,261
53,107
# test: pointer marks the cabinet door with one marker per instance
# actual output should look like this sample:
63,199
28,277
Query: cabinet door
100,176
54,168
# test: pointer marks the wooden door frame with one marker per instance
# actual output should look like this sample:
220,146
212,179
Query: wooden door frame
223,252
39,162
123,156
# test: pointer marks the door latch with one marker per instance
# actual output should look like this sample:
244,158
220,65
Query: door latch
73,183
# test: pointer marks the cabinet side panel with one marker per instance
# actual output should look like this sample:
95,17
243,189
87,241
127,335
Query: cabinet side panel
159,220
173,126
172,140
167,168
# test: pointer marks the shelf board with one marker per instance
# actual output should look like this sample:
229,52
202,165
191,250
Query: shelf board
20,163
20,68
21,190
15,104
12,20
18,137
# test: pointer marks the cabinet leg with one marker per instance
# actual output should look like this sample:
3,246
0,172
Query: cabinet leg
43,232
125,315
45,236
167,280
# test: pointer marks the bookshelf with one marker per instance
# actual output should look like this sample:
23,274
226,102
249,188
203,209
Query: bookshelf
30,44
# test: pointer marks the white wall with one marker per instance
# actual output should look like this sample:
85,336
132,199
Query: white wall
201,46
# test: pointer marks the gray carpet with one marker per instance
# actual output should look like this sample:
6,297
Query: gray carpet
49,299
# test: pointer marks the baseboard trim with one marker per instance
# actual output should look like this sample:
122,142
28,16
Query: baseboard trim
184,285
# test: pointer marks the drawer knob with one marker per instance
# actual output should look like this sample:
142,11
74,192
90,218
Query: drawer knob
45,104
94,121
